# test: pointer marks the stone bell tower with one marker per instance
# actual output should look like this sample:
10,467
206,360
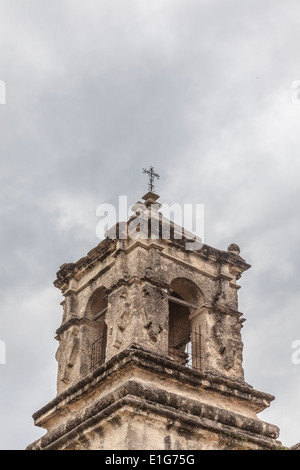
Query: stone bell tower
150,351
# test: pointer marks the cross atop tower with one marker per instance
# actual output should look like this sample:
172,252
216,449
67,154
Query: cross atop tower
151,174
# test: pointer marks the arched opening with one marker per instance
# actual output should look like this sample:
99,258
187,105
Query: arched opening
184,338
95,313
179,331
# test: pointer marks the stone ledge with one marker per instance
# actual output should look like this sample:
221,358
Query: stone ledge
161,365
165,404
109,246
295,446
69,270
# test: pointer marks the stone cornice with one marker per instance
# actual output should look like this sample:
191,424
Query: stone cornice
72,322
157,364
224,426
172,406
114,247
69,270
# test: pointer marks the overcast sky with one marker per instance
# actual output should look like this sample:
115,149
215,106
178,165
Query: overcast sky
95,91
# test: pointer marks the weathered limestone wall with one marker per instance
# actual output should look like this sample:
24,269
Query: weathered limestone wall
138,277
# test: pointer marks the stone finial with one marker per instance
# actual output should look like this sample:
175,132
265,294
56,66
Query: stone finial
151,198
233,248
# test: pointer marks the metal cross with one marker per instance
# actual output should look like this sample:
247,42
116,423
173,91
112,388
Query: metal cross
151,175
